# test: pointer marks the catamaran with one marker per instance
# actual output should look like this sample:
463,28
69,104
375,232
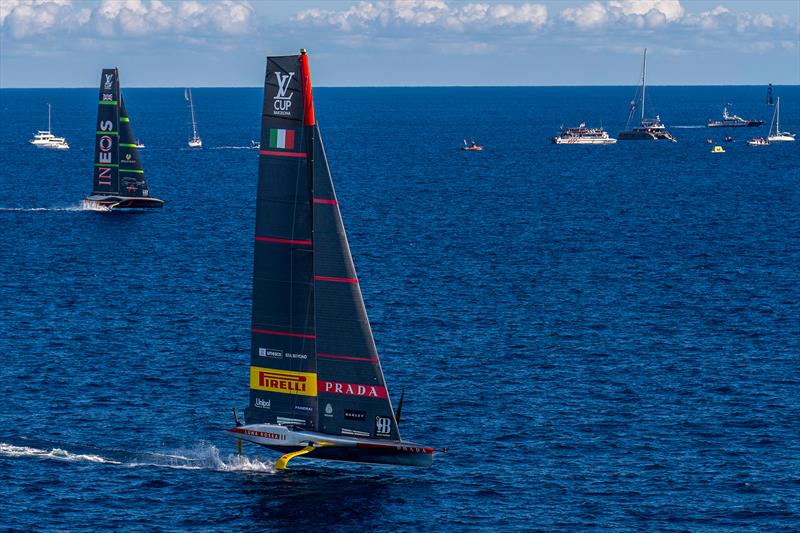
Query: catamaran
316,384
778,135
195,141
46,139
119,181
649,129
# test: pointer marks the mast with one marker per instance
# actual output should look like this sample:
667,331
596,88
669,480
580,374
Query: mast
778,117
49,128
644,80
194,124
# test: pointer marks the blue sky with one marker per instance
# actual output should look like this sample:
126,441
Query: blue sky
65,43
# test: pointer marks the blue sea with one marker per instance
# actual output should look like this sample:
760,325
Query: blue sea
604,338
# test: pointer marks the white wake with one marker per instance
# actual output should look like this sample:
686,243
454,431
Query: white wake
203,456
69,208
9,450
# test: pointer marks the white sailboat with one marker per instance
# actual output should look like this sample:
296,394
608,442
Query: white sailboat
778,136
195,141
46,139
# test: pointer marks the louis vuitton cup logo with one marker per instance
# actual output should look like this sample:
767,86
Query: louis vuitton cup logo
282,103
109,83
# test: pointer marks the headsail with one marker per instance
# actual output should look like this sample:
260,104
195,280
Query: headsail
313,360
353,398
131,175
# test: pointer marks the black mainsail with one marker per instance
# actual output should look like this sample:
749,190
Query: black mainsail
316,383
119,180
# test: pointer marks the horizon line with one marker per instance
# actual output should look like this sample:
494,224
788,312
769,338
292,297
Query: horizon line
414,86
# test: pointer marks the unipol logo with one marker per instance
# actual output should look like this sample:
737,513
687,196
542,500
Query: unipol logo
109,84
282,102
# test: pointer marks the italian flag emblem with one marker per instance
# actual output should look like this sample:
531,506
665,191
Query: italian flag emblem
281,139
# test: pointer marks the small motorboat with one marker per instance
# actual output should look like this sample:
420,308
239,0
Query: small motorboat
709,141
718,150
728,139
139,144
758,141
472,146
255,144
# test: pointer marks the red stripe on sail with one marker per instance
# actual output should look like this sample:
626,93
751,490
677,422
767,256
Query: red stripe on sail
340,280
308,101
282,241
347,357
283,333
285,154
324,201
289,142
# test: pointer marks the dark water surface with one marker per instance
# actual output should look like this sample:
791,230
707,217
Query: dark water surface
604,337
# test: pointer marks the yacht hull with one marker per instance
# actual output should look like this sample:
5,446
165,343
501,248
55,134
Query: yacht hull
117,203
335,448
645,136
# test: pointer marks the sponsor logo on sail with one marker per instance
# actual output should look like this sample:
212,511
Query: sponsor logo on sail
383,426
269,352
328,411
305,408
297,356
109,84
261,403
282,103
104,144
353,414
353,389
108,97
283,381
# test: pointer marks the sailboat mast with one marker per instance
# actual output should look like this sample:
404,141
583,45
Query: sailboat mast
644,80
194,124
49,128
778,117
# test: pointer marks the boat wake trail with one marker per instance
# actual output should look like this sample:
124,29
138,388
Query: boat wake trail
234,148
9,450
203,456
70,208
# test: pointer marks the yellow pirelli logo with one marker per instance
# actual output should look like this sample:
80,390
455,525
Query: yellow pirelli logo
285,381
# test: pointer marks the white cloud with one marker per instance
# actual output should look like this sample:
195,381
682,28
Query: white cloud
30,17
709,20
427,13
591,15
24,18
634,13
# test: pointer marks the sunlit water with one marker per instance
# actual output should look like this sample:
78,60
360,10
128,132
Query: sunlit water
604,337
